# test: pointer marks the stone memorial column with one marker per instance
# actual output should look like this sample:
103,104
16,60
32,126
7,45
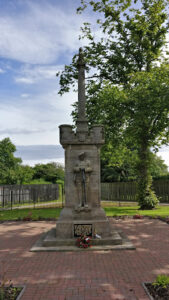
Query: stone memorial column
82,172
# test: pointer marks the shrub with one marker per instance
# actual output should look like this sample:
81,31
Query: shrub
162,281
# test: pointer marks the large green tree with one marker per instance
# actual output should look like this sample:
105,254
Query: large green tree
147,123
133,41
9,164
133,38
143,108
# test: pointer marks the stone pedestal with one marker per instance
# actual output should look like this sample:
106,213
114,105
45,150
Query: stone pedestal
82,213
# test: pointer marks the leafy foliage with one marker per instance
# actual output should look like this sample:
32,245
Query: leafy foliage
127,92
125,170
148,107
133,36
158,168
12,172
9,164
135,118
24,174
148,123
50,172
162,281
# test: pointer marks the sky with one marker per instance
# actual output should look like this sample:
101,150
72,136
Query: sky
38,38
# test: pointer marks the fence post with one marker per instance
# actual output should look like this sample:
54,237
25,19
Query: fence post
34,197
3,198
11,195
19,194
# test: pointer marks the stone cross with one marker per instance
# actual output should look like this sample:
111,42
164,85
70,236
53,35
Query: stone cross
82,213
81,120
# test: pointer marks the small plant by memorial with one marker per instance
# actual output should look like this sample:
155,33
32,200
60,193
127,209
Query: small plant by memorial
161,281
159,289
7,290
84,241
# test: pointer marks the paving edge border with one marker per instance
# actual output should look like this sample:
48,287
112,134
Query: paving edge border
126,245
146,290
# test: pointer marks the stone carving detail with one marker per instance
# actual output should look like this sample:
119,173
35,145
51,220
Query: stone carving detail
82,171
82,229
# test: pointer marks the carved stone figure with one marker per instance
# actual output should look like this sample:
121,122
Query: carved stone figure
82,172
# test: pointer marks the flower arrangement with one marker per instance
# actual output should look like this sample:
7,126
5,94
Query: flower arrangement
84,241
138,217
28,217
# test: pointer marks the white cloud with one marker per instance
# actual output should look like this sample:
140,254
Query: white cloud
30,74
2,71
24,80
39,34
24,95
35,119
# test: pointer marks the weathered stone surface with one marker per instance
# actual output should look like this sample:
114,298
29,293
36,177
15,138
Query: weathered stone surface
51,240
82,178
48,242
81,137
81,91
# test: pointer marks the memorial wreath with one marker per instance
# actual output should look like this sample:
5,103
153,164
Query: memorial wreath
84,241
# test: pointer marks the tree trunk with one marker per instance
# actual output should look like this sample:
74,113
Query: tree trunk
145,195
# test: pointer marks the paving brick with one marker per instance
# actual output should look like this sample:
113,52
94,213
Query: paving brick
86,275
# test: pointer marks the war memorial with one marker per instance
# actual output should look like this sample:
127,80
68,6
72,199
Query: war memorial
82,214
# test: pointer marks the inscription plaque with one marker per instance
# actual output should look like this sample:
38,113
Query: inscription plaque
82,229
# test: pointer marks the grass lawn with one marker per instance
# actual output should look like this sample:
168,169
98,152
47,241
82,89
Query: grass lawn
110,209
160,211
19,214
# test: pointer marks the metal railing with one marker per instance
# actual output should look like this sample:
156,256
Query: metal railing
18,195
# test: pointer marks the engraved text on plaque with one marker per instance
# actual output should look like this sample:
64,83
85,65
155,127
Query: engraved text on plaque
82,229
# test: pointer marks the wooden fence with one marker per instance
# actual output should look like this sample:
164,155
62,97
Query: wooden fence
32,193
126,191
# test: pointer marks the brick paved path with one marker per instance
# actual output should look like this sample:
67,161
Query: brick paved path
85,275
